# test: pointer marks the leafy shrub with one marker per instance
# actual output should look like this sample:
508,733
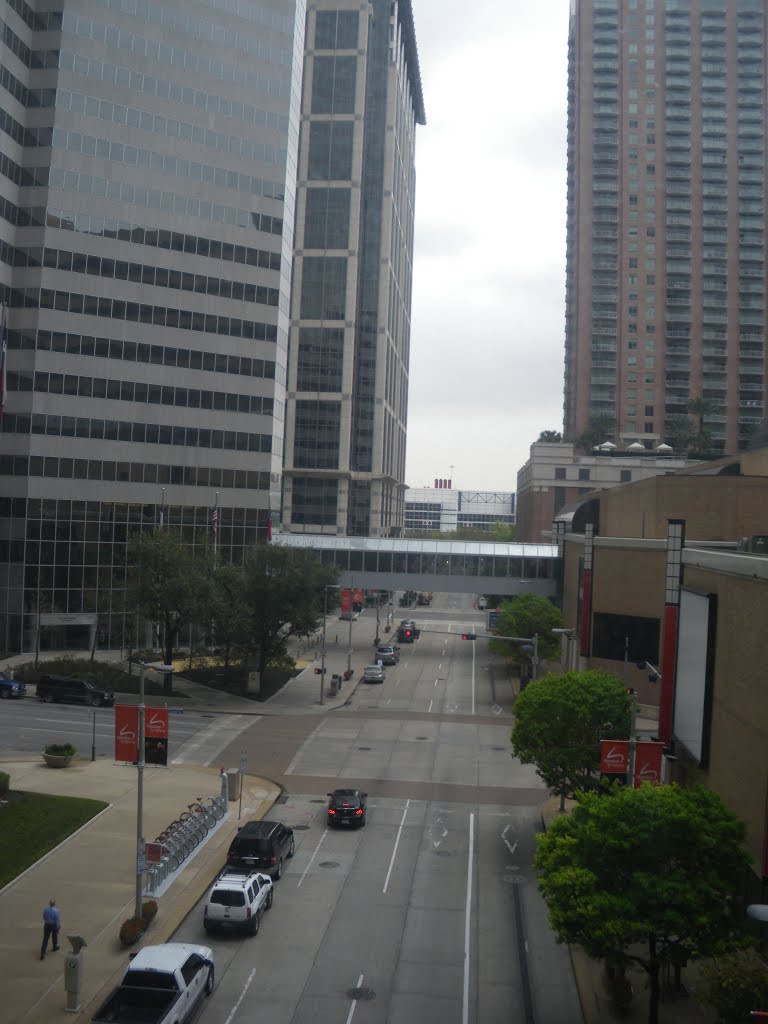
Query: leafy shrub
5,780
60,749
132,930
735,984
148,911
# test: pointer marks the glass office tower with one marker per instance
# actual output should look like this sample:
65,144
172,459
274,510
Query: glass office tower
666,285
350,317
148,156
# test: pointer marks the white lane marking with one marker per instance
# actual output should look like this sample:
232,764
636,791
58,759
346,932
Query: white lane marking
439,666
430,705
511,847
435,682
314,854
467,919
397,843
235,1008
354,1001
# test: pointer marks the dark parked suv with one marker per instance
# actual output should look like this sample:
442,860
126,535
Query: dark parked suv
262,846
11,687
73,691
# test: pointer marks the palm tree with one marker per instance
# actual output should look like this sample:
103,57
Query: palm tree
553,436
701,407
600,428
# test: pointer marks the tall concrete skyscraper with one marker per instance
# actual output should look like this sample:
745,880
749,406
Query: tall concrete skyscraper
351,304
666,255
147,172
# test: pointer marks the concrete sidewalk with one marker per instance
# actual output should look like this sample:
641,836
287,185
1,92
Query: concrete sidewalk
92,877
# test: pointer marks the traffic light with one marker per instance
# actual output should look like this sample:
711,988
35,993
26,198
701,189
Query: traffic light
631,691
319,671
468,636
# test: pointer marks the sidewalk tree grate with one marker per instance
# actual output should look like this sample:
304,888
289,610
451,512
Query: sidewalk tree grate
443,853
363,748
328,864
299,828
317,801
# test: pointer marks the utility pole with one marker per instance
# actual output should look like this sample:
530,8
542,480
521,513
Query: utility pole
140,849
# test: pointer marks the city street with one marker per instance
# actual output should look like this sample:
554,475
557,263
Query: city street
428,914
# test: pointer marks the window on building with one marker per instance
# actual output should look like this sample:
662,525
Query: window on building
584,474
559,473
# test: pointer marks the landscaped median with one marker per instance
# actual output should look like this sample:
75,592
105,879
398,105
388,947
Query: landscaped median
33,824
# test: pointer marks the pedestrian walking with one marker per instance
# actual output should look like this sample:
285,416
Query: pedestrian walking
51,925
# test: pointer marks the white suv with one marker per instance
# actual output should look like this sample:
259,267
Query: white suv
237,901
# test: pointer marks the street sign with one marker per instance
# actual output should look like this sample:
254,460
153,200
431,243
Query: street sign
154,853
493,618
175,711
243,762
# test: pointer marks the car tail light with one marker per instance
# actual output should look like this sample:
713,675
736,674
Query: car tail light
331,810
359,810
273,860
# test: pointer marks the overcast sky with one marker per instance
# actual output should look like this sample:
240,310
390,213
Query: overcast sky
486,372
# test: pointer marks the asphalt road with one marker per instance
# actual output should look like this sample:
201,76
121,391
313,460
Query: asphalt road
431,912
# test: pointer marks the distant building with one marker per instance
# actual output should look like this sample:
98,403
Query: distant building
666,249
555,476
346,414
430,509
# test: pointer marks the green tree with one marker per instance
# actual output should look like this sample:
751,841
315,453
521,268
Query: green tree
284,590
501,533
229,610
553,436
735,984
645,875
559,722
168,583
680,433
524,616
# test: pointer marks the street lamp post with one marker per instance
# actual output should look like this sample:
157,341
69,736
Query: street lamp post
140,796
567,632
322,653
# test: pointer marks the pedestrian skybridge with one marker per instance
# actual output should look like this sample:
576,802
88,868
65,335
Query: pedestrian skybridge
456,566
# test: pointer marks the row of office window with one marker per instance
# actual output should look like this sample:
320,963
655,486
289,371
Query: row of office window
164,163
136,433
336,30
161,238
320,359
136,391
165,88
139,352
333,85
118,309
139,273
150,198
57,518
146,121
330,150
132,472
253,46
317,435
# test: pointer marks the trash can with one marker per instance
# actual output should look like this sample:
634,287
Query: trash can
335,684
234,778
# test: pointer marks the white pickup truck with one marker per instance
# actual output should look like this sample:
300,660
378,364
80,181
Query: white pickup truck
164,984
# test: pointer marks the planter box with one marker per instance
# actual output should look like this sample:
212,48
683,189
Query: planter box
57,760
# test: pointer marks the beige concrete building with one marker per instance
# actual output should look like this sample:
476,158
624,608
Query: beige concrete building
555,477
666,571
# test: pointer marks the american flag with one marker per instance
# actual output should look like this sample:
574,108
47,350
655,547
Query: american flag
3,353
215,520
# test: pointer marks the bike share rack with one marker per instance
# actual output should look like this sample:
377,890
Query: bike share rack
182,837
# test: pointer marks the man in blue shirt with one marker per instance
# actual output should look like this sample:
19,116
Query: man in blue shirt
51,925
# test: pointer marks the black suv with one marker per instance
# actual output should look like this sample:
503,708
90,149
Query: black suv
73,691
262,846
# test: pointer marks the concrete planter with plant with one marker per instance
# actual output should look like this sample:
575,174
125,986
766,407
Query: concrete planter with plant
58,755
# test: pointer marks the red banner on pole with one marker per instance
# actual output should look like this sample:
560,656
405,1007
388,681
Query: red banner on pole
346,601
614,756
358,598
648,754
126,732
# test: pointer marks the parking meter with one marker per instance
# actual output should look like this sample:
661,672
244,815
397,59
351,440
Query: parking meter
73,973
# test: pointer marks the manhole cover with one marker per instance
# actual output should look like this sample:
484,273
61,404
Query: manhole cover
363,748
360,993
443,853
299,828
329,864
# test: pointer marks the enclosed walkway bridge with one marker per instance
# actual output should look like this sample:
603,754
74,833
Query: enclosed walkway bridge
456,567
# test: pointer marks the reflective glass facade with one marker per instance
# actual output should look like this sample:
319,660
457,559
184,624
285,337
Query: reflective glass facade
347,399
148,155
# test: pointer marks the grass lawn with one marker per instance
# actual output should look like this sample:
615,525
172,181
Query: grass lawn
31,824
